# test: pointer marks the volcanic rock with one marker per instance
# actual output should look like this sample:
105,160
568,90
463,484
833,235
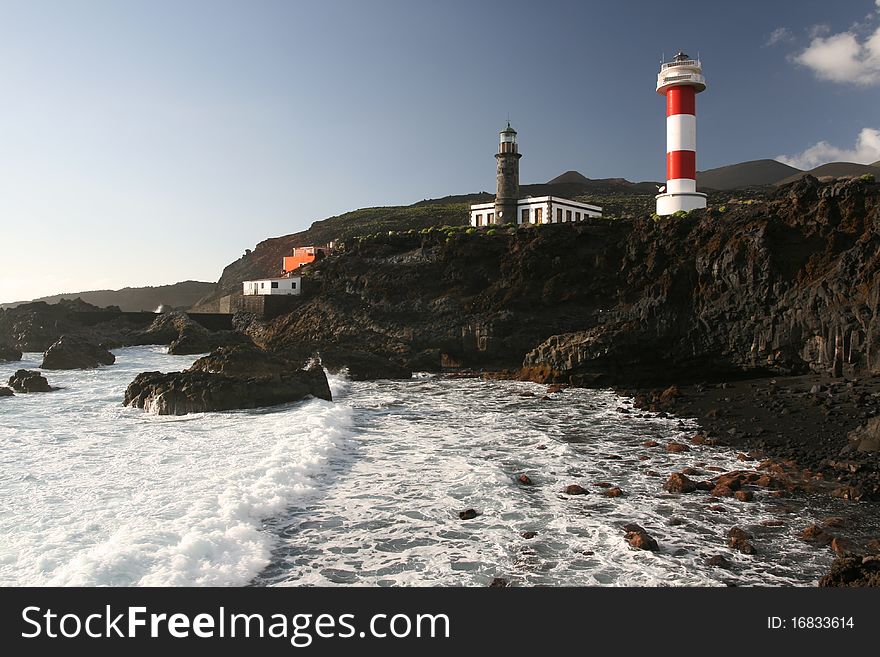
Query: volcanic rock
853,571
363,366
679,483
6,392
575,489
719,561
8,353
184,336
29,381
641,540
867,437
739,539
74,353
468,514
179,393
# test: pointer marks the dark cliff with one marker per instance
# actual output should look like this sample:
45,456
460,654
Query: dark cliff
781,285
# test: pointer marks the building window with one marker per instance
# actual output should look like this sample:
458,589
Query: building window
479,219
490,217
525,216
568,215
274,285
559,215
293,285
262,285
539,215
577,216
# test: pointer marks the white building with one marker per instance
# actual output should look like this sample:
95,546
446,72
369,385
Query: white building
273,286
538,210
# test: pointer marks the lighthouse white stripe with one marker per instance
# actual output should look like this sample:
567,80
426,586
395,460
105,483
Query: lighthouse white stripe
679,185
681,132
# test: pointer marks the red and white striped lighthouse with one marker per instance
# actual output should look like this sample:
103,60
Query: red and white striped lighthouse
680,81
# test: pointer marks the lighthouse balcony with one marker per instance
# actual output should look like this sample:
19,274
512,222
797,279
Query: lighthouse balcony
678,77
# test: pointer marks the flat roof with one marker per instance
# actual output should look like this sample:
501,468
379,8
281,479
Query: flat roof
273,280
528,200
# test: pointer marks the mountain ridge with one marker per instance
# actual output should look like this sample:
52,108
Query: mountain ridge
182,294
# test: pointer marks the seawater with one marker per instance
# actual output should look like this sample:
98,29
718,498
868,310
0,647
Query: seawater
366,490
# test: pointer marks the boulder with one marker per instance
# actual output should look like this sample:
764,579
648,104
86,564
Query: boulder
718,561
179,393
29,381
739,539
524,479
677,448
575,489
6,392
866,438
8,353
244,361
468,514
816,534
73,353
184,336
641,540
679,483
853,571
614,491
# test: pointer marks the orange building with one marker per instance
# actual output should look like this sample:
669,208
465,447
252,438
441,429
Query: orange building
303,255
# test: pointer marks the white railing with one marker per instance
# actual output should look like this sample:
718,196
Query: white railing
682,62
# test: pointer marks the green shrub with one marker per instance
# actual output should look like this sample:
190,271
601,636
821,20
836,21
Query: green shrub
867,178
681,214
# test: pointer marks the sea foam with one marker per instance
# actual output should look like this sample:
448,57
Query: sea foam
98,494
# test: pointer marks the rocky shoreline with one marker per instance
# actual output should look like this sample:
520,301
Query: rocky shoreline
807,434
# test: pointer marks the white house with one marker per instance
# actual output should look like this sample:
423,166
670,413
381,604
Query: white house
273,286
538,210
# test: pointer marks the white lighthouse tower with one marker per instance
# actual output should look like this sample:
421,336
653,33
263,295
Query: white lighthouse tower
680,81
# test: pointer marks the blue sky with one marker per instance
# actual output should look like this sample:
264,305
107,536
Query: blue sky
150,142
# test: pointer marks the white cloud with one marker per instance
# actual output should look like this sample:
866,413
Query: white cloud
866,151
844,58
780,35
821,29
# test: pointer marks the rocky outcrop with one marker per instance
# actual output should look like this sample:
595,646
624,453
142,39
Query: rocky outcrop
36,326
29,381
73,353
180,393
785,286
244,361
6,392
9,353
239,376
184,336
853,571
363,366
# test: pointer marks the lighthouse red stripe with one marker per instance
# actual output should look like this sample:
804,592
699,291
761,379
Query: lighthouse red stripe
681,100
681,164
